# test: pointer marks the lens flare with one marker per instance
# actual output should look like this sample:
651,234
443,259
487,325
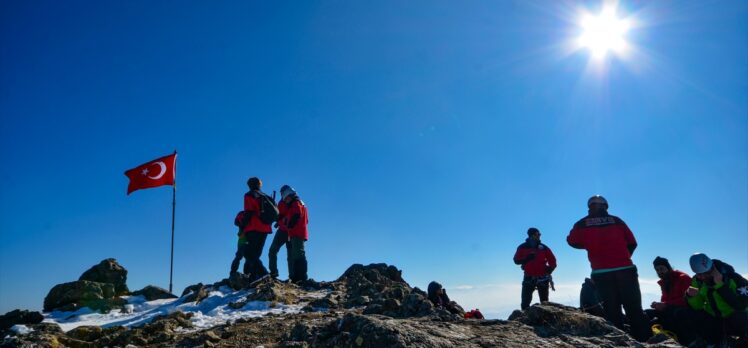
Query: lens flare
603,33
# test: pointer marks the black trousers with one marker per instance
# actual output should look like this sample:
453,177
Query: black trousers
252,253
529,284
280,239
238,258
621,288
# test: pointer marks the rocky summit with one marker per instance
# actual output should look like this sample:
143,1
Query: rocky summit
368,306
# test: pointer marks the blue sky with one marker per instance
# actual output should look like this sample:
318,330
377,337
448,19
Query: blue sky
425,134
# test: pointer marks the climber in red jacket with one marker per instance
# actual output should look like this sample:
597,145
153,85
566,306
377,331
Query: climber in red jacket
538,262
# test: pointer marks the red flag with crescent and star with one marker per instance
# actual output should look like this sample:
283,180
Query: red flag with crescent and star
158,172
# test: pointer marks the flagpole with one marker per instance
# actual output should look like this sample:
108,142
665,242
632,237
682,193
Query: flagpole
173,210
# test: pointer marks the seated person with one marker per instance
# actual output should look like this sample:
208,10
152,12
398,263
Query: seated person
438,296
589,300
672,311
720,296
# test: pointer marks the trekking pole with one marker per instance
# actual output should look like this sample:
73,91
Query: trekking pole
553,287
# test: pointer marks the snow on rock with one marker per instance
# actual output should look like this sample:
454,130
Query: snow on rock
212,311
21,329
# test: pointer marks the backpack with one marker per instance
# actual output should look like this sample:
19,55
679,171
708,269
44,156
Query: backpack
239,220
474,314
268,209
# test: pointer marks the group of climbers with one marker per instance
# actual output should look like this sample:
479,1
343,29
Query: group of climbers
710,306
255,222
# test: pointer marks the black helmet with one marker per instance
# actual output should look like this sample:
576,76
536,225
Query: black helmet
597,199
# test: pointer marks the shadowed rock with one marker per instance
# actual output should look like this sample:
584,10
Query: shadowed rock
108,271
82,293
19,317
151,293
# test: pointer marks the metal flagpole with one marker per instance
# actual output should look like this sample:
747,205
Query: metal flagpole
173,210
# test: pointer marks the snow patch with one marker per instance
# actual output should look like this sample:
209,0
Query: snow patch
21,329
212,311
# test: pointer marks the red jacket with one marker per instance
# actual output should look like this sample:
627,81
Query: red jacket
252,206
607,239
297,219
282,212
542,264
678,283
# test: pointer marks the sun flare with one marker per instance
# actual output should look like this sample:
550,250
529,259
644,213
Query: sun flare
603,33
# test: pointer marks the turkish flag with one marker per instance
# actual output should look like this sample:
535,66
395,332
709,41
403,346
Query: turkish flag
159,172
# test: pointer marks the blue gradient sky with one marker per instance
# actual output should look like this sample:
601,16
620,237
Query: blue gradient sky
425,134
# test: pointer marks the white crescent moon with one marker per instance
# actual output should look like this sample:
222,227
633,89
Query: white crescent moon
163,170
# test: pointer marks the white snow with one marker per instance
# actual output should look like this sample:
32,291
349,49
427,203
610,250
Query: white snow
21,329
210,312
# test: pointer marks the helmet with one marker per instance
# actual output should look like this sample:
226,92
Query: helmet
597,199
700,263
287,191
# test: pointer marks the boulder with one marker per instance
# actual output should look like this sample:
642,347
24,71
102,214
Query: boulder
238,281
86,333
82,293
195,293
151,293
108,271
18,316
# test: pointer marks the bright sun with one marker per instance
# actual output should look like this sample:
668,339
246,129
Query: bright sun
603,33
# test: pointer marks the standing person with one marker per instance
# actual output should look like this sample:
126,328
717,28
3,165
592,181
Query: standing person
672,310
280,239
241,244
538,262
720,295
610,244
295,220
255,229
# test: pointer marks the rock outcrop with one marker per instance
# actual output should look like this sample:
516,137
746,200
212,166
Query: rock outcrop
151,293
368,306
98,288
18,316
82,293
108,271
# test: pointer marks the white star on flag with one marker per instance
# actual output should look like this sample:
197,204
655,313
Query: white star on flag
743,291
144,172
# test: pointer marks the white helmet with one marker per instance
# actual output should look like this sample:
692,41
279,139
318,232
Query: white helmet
700,263
597,199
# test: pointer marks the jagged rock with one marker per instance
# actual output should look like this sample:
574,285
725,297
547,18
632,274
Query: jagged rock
238,281
416,305
374,309
394,315
82,293
195,293
553,319
19,317
325,302
86,333
108,271
151,293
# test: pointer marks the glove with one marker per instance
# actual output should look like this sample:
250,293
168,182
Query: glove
549,269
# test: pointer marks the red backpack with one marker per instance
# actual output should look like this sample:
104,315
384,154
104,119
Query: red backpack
474,314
